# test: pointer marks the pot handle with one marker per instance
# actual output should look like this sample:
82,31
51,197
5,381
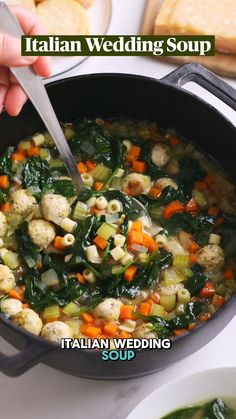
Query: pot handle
206,79
15,365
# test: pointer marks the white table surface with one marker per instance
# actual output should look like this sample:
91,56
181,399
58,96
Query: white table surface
44,393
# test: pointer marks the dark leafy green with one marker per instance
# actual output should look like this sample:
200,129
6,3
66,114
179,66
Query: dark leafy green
187,413
27,249
168,195
195,283
217,409
37,173
6,162
190,172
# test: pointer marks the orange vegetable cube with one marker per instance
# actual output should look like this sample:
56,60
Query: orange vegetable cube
218,300
58,243
229,274
81,167
4,182
201,186
80,278
100,242
133,153
90,165
110,329
139,166
98,186
155,192
145,309
87,317
130,273
126,311
137,226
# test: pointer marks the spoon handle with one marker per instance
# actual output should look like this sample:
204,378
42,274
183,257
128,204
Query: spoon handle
35,90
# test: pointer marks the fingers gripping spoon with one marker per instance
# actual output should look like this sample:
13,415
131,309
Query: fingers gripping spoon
35,90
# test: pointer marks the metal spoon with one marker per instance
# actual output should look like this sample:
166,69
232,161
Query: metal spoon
35,90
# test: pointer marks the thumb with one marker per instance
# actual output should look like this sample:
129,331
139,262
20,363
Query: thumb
10,52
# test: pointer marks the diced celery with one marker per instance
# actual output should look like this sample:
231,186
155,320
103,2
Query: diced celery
11,259
37,211
181,260
75,326
106,231
50,278
80,211
56,163
68,131
143,257
231,285
101,173
44,153
116,269
200,198
171,277
48,140
10,242
156,213
116,183
157,310
51,312
71,309
24,145
168,302
184,271
14,219
222,290
144,132
211,309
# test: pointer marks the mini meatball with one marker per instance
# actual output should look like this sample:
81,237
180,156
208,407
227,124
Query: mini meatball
10,306
136,183
23,202
3,224
164,182
7,279
55,331
160,154
109,309
29,320
55,207
211,257
42,232
144,332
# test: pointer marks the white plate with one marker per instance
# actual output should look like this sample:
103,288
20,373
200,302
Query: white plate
188,390
99,16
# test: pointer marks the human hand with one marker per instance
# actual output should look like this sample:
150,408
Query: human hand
12,97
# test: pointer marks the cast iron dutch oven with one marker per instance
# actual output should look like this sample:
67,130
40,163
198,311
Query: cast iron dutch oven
115,95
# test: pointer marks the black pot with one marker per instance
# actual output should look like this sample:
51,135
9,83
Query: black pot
140,97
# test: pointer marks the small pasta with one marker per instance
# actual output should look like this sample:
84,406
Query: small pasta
68,240
68,225
214,239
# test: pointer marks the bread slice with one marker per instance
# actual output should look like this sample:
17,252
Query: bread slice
29,4
200,17
63,17
222,64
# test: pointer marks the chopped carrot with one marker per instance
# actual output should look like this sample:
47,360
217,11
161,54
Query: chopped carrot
17,157
174,140
208,290
191,206
33,152
90,165
201,186
209,179
147,240
204,317
133,153
135,237
87,317
191,326
124,335
14,294
137,226
144,309
130,273
139,166
6,207
100,242
229,274
98,186
218,300
90,331
58,243
26,305
126,311
155,192
4,181
81,167
80,278
153,247
193,247
193,258
95,210
110,329
149,301
155,297
179,332
51,319
172,208
213,211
